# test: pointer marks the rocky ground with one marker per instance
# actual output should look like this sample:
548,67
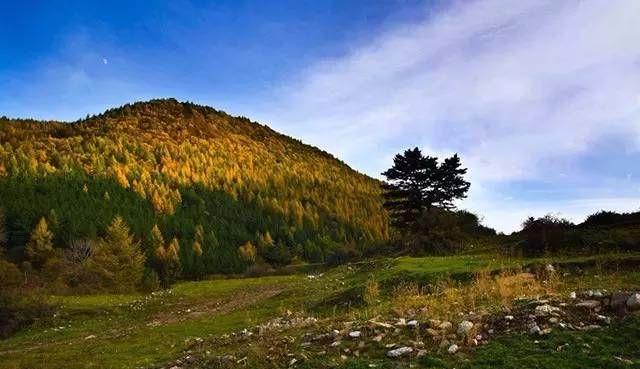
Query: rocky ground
292,340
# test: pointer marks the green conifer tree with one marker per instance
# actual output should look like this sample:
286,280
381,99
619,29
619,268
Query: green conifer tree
117,260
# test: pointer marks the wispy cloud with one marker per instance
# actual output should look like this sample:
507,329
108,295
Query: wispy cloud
519,88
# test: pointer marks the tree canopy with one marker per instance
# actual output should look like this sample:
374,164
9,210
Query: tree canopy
418,183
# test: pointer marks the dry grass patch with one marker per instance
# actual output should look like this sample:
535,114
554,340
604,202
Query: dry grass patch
487,292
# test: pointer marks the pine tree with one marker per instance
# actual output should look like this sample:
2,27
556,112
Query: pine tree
40,246
417,183
117,262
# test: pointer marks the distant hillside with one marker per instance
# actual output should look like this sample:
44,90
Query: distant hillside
185,167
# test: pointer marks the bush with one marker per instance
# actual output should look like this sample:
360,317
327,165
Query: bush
337,257
10,275
19,310
546,235
19,306
438,232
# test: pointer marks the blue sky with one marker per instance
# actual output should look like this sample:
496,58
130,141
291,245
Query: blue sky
540,98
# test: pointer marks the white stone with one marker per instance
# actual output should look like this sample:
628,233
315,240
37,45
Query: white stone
534,329
597,293
464,327
412,323
573,295
453,349
400,351
354,334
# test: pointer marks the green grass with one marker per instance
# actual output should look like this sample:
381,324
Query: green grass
580,350
121,324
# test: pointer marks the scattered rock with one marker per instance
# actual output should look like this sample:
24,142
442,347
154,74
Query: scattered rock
434,323
626,361
422,353
546,309
534,329
550,268
573,295
445,326
432,332
400,351
464,327
605,319
381,324
354,334
508,317
378,338
412,323
90,337
589,304
453,349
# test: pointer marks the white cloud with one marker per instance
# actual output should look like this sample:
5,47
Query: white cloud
511,85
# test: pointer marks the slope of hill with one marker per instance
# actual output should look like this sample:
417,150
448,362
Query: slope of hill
200,174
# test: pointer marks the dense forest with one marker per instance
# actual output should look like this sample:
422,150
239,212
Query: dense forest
219,193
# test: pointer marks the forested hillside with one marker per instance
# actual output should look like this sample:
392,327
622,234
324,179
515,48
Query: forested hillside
228,192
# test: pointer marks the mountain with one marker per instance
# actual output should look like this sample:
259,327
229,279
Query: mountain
198,173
